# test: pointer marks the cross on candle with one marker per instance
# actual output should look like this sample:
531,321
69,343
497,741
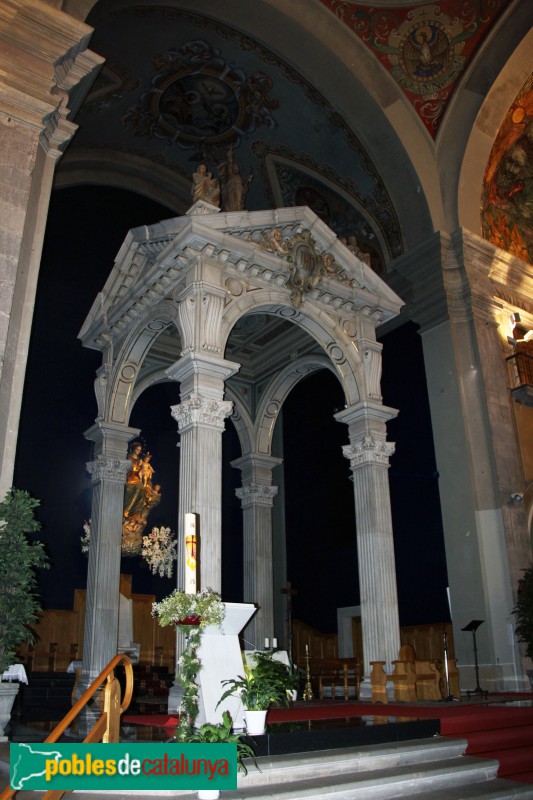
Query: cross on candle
190,553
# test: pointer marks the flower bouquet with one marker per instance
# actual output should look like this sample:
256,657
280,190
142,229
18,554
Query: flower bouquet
194,611
159,551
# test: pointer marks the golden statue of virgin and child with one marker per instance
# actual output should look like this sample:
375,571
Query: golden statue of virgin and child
141,495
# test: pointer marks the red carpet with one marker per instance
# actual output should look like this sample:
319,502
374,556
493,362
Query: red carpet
501,732
154,720
492,731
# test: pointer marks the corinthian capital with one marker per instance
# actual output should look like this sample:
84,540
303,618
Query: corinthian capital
368,450
111,469
256,495
201,411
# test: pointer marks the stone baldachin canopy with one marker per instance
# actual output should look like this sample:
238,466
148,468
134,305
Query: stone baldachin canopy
285,262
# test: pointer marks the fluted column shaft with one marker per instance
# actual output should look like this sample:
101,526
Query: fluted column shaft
108,471
257,499
200,417
369,453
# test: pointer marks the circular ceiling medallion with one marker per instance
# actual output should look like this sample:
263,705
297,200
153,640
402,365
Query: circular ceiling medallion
198,106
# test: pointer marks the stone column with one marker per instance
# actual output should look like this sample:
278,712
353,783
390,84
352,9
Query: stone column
35,128
108,470
200,417
369,453
257,499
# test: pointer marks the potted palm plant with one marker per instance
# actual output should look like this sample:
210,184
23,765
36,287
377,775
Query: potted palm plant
222,733
19,604
263,683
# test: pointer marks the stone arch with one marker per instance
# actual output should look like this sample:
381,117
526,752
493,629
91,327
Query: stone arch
324,329
124,388
241,420
129,171
276,394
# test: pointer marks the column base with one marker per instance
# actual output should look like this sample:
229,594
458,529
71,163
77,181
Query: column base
175,696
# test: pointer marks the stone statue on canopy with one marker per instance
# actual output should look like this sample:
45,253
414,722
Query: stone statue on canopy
234,186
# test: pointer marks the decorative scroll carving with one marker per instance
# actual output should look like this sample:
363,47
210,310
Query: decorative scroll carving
112,469
256,494
186,317
213,307
368,450
372,364
100,388
201,312
201,411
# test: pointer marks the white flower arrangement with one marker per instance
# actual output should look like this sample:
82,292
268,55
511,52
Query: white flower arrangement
194,611
159,551
86,538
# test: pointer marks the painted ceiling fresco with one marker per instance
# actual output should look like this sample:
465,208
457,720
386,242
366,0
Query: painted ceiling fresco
507,213
180,89
426,48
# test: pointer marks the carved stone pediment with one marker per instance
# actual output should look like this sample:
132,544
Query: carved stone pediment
287,249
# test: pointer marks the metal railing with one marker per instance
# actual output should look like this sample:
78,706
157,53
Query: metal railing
107,726
520,370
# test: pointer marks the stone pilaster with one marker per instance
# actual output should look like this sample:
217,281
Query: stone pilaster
462,287
108,471
257,499
201,420
43,58
368,453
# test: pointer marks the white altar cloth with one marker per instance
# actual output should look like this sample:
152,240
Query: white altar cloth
15,672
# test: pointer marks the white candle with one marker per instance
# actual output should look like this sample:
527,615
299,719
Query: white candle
306,649
267,644
274,643
190,553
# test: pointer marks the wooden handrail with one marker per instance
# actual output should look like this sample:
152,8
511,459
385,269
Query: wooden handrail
107,726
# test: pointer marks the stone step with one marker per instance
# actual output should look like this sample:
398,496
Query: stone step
389,782
286,768
433,769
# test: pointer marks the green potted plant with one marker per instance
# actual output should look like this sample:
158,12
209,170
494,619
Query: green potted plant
19,604
523,612
222,733
265,682
267,663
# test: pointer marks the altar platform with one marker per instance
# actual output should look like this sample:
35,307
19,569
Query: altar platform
497,726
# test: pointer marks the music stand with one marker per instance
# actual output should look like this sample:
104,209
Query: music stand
473,626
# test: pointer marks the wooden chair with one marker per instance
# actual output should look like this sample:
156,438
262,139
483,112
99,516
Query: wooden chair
404,680
336,677
378,682
427,675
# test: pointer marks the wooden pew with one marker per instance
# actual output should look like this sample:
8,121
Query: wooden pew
336,677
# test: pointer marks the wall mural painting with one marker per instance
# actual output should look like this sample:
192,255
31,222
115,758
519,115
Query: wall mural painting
196,98
425,48
507,213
